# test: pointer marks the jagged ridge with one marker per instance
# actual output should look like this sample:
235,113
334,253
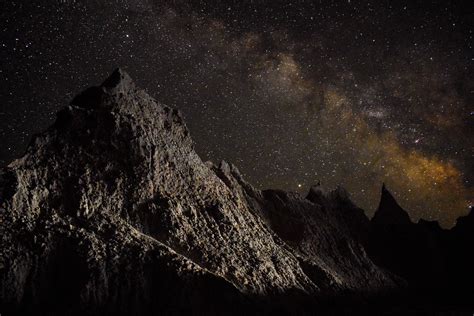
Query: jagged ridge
435,261
117,181
112,211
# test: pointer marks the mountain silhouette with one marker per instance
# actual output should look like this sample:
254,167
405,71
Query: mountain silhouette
111,211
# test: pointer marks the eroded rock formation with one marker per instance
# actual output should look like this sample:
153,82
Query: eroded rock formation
437,263
112,211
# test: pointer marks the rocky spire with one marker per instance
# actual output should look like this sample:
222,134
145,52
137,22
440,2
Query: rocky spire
389,211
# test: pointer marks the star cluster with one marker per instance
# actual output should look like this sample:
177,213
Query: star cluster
351,93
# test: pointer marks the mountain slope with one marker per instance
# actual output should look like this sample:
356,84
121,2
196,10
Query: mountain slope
112,210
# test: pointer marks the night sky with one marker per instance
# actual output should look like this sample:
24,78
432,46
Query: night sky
349,92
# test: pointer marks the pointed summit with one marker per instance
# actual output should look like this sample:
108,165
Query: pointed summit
118,81
389,211
317,194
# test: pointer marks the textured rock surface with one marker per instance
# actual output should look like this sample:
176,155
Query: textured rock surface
111,211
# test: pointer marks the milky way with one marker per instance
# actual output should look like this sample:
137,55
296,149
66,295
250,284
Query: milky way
351,93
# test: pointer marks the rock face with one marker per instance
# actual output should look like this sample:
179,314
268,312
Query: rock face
112,211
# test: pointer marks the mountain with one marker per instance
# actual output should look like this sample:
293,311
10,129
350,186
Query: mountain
111,211
436,262
389,211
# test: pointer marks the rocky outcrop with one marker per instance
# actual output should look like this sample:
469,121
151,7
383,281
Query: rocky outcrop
395,242
389,211
325,234
436,262
111,210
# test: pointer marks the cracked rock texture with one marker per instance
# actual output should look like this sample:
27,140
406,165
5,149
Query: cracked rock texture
111,210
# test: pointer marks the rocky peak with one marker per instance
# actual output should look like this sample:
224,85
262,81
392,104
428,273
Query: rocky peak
389,211
117,174
118,84
115,190
317,194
